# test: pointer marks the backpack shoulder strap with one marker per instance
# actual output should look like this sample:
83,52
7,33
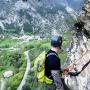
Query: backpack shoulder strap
51,54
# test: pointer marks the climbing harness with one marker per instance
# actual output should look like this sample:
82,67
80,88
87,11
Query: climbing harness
79,72
85,66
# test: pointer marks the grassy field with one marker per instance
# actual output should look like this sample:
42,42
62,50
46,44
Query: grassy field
8,42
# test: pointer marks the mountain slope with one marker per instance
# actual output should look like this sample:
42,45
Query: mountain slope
35,16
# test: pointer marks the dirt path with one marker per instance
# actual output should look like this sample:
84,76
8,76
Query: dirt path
2,82
26,72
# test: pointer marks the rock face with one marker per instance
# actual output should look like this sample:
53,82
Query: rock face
79,52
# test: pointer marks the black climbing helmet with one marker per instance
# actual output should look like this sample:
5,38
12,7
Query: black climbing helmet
56,41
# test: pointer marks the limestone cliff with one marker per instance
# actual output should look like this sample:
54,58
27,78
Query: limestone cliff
79,51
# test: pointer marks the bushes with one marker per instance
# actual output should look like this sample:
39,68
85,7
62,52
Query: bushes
31,83
14,81
10,59
8,42
63,57
32,44
16,59
1,68
16,62
45,47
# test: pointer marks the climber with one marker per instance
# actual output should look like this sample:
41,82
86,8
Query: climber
52,64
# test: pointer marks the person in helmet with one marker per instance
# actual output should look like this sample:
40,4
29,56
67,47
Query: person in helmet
52,64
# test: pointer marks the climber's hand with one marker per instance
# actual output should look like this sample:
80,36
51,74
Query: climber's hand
65,71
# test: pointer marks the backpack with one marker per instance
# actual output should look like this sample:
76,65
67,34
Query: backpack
39,68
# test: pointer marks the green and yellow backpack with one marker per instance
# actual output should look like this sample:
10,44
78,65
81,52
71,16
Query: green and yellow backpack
39,69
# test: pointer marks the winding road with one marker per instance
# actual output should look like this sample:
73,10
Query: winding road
26,72
2,84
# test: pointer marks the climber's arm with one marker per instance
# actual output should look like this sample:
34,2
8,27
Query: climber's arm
57,79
